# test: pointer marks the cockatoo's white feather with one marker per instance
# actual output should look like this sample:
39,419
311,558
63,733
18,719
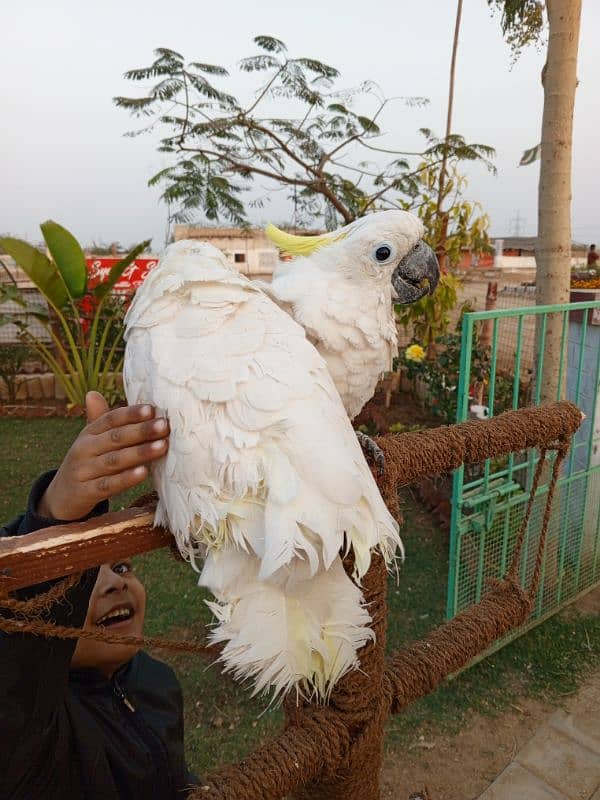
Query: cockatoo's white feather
342,297
264,478
286,631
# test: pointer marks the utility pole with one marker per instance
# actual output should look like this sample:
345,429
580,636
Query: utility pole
516,223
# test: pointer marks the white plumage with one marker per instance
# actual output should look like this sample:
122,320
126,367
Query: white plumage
341,294
264,479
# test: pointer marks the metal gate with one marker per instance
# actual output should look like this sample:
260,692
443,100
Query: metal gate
489,500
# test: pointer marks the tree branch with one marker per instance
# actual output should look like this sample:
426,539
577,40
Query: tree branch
272,135
379,194
245,168
266,89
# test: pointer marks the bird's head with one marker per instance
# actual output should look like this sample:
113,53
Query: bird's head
385,246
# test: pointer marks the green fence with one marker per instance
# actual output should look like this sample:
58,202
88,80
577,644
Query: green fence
489,500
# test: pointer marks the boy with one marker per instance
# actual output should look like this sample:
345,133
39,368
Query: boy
89,720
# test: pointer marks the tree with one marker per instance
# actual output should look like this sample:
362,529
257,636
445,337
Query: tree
326,152
523,22
462,226
442,216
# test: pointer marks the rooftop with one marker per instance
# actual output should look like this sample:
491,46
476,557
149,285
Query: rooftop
528,243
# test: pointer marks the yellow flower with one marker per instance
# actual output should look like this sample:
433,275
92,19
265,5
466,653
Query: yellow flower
414,353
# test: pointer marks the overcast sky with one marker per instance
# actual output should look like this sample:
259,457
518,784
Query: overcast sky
63,154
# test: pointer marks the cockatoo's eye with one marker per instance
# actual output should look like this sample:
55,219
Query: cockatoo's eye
383,253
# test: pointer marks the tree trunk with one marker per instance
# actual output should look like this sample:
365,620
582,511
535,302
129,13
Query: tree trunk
441,244
553,252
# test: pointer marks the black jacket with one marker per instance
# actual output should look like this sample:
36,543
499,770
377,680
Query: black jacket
75,734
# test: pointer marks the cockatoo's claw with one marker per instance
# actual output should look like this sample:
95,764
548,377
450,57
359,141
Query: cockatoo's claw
372,450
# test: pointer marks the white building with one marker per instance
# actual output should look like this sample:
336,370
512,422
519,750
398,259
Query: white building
248,248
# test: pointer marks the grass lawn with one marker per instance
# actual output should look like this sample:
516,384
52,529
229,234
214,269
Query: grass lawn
222,721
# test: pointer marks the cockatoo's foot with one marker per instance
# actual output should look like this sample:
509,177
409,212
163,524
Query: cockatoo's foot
372,450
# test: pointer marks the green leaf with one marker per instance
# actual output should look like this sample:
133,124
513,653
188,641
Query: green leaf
9,319
42,271
258,63
270,43
339,107
211,69
317,66
168,54
137,105
369,125
9,292
113,276
68,256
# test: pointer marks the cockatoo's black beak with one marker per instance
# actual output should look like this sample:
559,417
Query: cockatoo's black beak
416,275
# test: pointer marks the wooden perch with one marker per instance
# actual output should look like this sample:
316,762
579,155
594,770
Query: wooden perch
65,549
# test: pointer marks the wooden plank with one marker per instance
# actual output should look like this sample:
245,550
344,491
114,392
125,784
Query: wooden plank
64,549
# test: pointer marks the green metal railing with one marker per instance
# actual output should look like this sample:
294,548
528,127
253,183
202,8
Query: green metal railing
488,502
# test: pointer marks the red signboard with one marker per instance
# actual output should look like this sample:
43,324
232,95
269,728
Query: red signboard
99,268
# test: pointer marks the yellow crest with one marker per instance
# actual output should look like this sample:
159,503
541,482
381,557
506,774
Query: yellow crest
301,245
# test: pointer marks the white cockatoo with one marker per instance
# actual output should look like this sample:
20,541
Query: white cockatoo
340,289
264,482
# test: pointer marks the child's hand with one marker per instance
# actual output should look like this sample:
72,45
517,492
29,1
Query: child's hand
109,456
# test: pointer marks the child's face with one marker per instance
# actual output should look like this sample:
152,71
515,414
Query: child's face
117,604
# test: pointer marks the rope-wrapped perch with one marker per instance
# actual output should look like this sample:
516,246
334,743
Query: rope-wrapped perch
67,549
414,455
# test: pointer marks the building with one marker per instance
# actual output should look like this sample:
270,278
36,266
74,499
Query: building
518,252
515,253
11,273
249,249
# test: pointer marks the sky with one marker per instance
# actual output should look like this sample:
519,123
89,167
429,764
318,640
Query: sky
62,150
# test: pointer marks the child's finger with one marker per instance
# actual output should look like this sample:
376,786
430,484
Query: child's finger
111,485
129,436
95,406
115,461
117,417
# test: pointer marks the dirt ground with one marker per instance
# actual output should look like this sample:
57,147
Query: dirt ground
404,408
461,767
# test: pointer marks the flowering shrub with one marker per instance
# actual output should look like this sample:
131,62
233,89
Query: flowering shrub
12,358
585,283
439,374
414,353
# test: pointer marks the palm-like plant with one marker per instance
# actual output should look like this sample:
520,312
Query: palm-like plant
86,353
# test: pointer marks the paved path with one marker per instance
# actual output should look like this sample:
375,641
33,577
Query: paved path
562,760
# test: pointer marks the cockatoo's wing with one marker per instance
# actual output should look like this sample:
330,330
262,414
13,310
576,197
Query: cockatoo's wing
262,457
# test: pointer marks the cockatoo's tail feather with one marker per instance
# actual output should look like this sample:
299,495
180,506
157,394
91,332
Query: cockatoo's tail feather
305,635
262,465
